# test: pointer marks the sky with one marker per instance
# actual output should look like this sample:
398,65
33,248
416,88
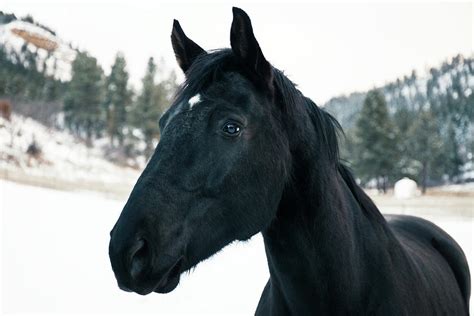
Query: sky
328,49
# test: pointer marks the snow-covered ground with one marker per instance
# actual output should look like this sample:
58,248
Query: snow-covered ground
64,157
55,261
456,188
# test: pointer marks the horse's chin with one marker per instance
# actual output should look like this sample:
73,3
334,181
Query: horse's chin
166,282
168,286
171,279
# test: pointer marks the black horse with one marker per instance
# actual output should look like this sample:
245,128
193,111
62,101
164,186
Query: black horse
242,151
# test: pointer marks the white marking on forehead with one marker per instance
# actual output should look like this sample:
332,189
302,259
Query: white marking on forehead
194,100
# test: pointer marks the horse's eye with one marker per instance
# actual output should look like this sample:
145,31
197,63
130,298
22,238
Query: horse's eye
231,129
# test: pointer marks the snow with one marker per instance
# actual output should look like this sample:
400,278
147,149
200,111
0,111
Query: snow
406,92
62,57
468,92
405,188
445,81
55,261
470,81
421,84
462,187
64,156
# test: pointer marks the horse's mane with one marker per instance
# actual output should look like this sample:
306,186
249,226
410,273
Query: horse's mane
295,104
365,202
327,129
208,68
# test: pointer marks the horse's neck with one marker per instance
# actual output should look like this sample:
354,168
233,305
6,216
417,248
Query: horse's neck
316,249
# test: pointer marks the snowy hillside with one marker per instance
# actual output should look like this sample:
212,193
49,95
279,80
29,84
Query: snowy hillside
63,158
448,86
53,53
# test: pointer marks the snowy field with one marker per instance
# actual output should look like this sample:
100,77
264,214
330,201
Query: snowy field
55,261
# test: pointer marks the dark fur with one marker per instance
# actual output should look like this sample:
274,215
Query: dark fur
329,249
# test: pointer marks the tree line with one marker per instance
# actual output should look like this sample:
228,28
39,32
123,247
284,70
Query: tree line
419,127
92,105
96,105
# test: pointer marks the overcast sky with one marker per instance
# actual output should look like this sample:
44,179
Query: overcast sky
327,49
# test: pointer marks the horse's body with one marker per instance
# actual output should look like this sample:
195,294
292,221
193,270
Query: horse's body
243,151
365,266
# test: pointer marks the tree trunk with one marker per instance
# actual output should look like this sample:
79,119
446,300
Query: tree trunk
120,139
424,174
111,137
384,184
89,134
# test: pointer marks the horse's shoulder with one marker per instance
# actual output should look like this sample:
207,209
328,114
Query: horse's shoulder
408,224
413,231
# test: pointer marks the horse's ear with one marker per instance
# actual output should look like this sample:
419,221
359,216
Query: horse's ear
184,48
246,48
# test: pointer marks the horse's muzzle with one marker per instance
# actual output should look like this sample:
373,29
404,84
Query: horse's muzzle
137,269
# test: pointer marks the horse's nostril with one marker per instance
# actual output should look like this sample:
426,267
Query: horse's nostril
139,257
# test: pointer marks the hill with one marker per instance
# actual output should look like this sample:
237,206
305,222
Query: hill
446,93
449,88
29,43
60,160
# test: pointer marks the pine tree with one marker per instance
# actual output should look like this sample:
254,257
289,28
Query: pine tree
375,140
424,145
84,97
151,103
117,99
146,111
403,119
452,159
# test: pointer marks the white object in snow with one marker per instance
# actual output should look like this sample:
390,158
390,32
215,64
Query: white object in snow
405,188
